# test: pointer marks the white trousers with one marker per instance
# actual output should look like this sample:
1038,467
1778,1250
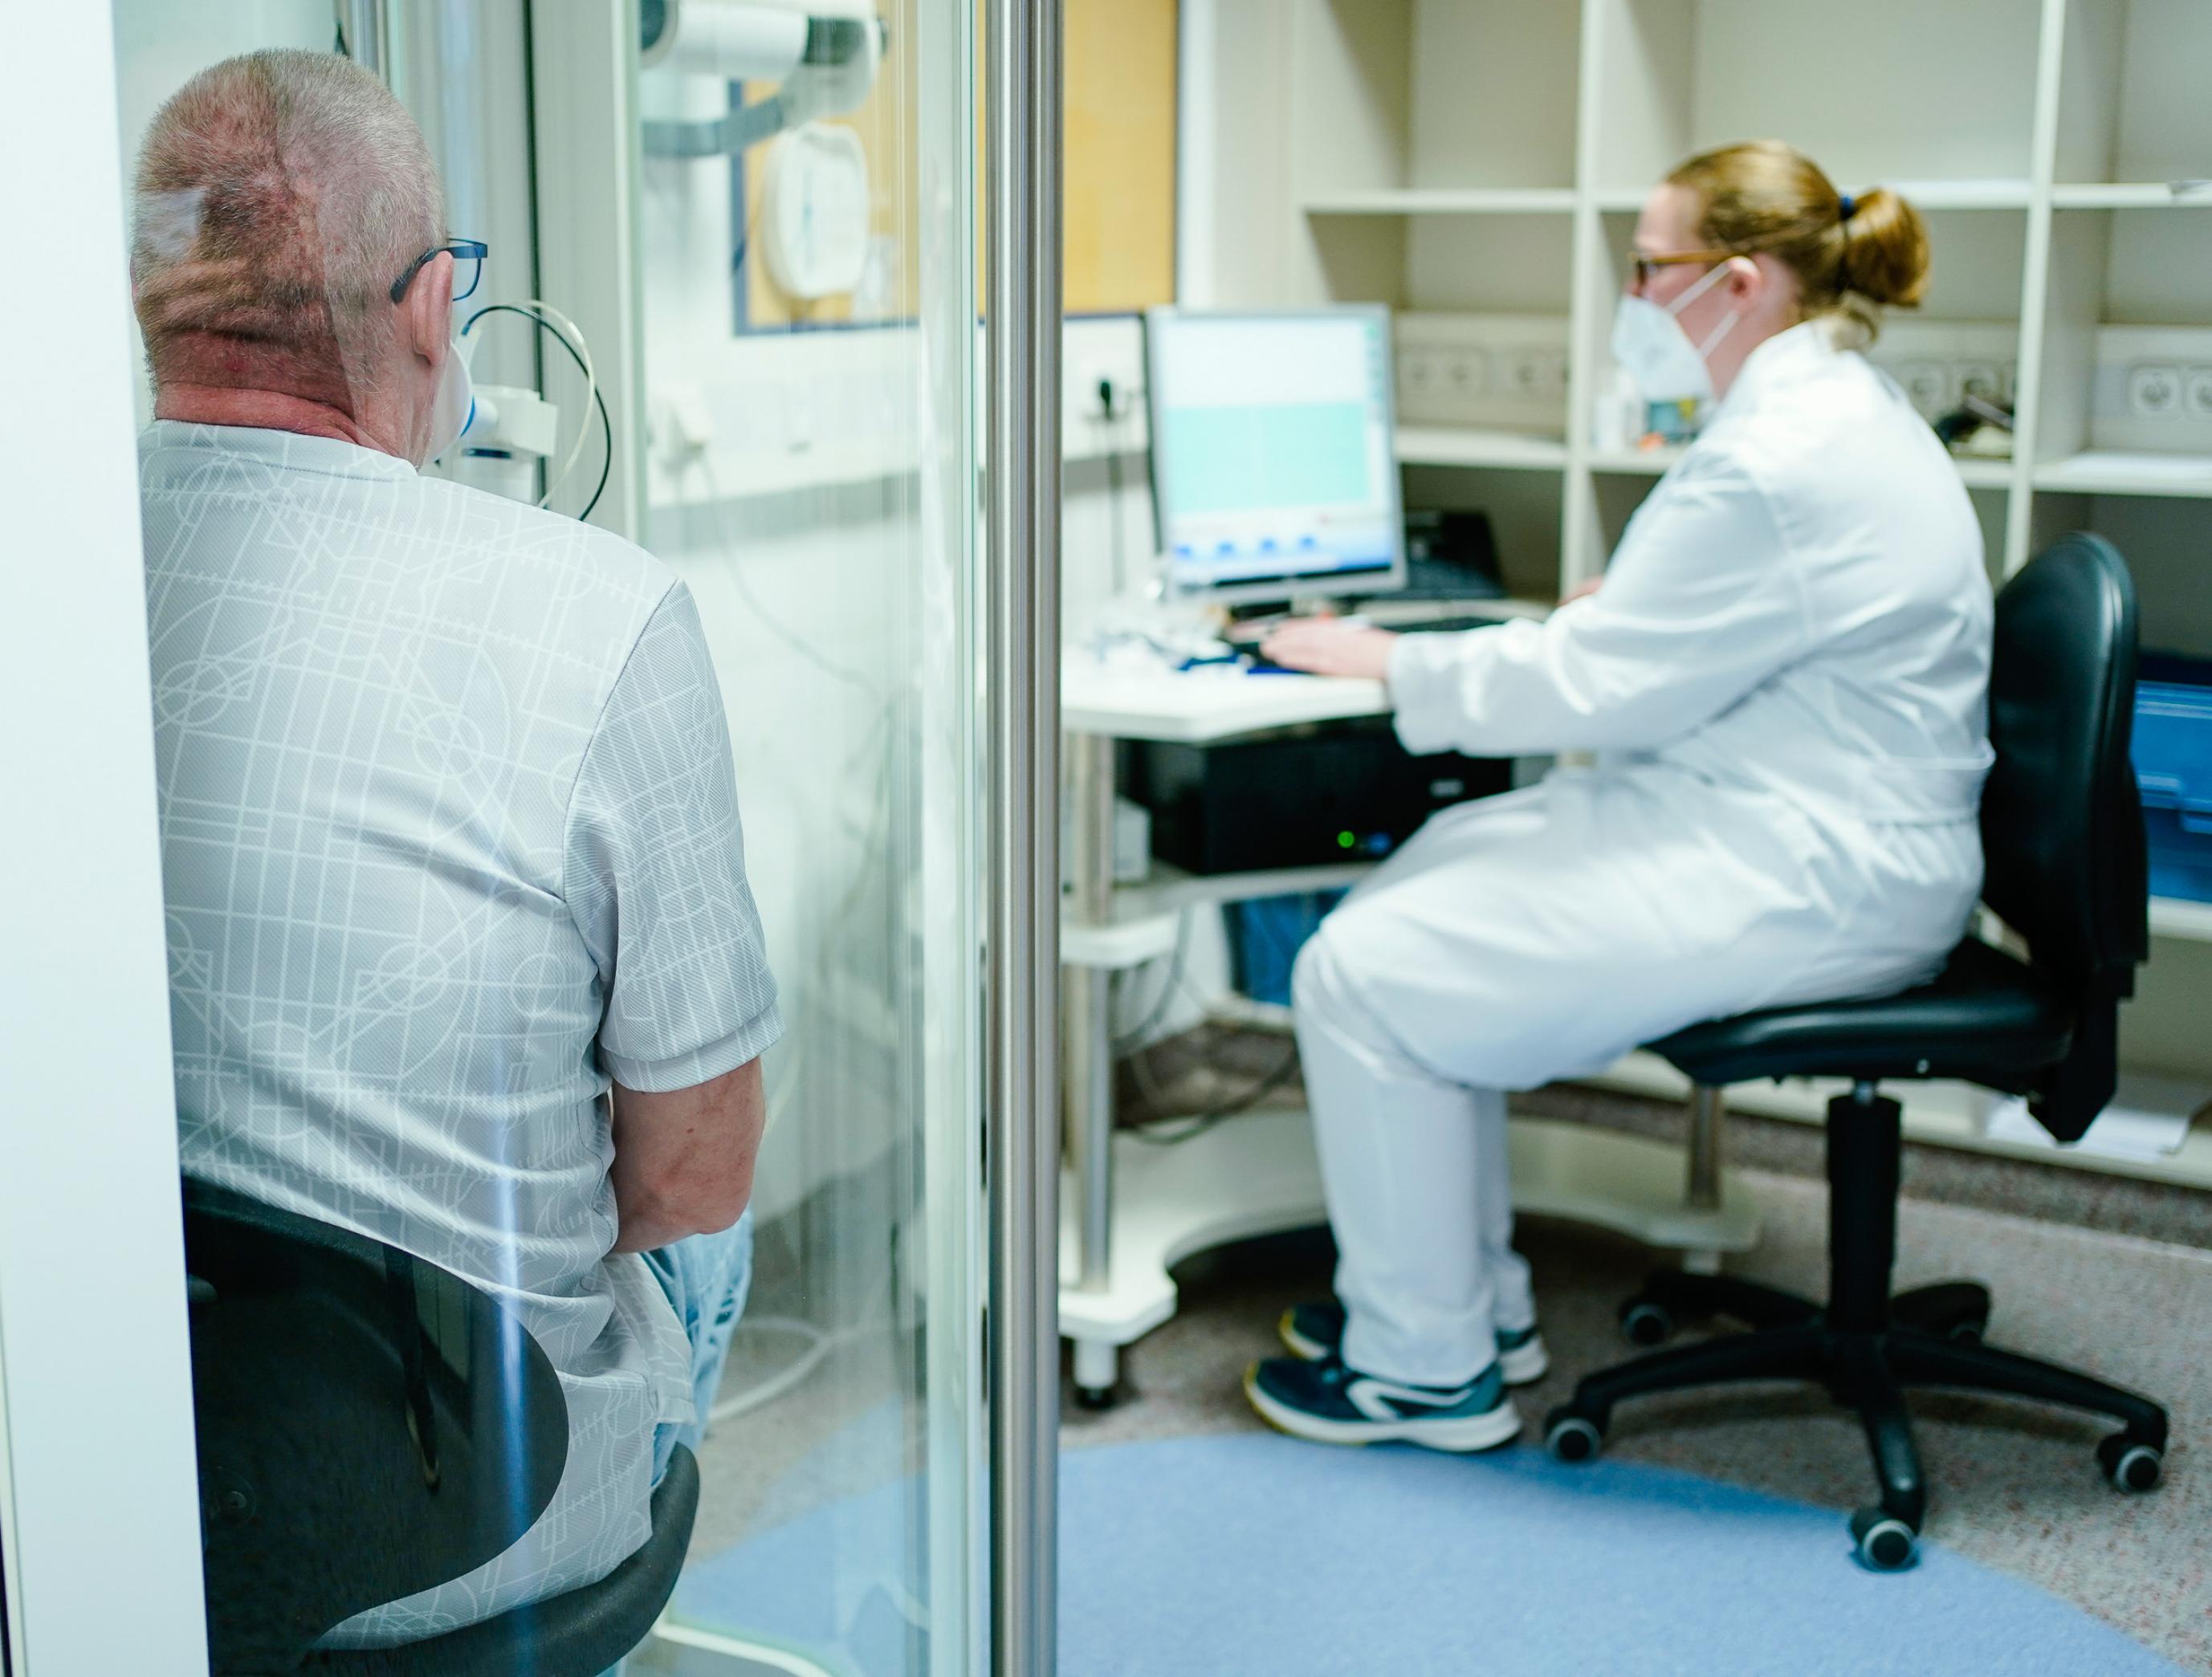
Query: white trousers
1522,939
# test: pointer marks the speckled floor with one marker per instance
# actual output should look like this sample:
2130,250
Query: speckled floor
2013,1486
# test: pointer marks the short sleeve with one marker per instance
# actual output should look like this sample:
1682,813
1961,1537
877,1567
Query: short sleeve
654,871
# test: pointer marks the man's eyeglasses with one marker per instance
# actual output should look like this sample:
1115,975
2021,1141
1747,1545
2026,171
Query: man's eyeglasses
1646,268
468,255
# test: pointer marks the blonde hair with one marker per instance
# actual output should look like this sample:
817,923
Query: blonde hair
279,196
1852,256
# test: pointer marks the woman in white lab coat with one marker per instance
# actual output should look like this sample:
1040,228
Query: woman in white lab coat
1783,680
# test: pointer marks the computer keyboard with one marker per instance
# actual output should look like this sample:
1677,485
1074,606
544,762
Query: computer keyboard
1440,625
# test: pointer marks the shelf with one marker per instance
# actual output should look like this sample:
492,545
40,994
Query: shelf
1257,1173
1456,446
1166,890
1984,472
1445,201
2104,471
1943,1115
1933,194
1644,462
2180,919
1975,471
1962,194
2133,195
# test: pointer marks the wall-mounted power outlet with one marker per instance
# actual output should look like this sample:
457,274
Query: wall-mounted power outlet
2155,392
1928,384
1984,378
2197,401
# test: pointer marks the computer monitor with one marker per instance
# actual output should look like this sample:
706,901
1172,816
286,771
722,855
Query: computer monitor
1272,466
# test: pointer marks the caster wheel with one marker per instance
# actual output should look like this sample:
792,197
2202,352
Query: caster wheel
1646,1323
2131,1465
1885,1543
1095,1399
1967,1333
1570,1438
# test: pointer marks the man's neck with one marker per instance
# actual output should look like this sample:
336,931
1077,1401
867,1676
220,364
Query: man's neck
262,409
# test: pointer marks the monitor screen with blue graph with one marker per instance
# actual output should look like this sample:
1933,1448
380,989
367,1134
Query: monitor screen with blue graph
1273,464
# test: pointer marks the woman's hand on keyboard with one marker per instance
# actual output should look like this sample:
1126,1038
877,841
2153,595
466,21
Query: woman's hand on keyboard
1331,647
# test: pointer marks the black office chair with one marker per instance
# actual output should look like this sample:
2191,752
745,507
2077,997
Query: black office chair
371,1425
2061,830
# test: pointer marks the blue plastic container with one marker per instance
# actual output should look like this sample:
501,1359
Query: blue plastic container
1265,936
2173,770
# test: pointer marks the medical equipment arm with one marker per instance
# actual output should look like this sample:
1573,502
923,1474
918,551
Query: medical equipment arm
1703,603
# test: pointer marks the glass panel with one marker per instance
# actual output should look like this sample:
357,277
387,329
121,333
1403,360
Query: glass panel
808,309
741,333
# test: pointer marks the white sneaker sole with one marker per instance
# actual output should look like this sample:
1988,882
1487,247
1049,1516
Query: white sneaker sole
1460,1434
1523,1365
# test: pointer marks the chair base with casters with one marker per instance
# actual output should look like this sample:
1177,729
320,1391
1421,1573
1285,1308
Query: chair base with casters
1866,1346
2062,841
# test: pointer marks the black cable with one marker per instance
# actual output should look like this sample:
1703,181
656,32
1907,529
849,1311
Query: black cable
1106,396
1191,1125
1197,1123
607,424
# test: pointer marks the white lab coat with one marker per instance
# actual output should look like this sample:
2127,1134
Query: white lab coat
1784,678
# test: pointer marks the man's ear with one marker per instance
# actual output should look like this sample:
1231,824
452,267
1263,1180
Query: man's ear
429,305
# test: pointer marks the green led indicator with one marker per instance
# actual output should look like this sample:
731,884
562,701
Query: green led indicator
1345,841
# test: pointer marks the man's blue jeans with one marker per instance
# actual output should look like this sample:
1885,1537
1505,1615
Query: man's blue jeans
707,1279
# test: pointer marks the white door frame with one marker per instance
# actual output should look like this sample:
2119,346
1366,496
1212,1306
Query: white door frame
99,1490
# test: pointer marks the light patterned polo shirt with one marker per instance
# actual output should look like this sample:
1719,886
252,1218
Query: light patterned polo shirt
450,837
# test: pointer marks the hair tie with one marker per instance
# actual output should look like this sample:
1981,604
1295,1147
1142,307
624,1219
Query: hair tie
1848,204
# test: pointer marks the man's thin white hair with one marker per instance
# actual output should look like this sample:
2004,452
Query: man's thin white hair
279,196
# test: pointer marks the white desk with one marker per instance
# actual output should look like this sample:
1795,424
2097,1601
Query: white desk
1130,1211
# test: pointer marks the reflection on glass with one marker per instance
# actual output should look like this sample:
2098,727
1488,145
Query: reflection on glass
787,400
807,309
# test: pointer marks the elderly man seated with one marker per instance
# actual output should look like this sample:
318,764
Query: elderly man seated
448,818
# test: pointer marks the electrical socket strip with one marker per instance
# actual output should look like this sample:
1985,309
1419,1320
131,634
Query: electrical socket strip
1938,363
2152,390
1504,370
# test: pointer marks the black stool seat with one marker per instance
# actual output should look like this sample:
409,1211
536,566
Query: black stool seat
1986,1019
370,1425
583,1632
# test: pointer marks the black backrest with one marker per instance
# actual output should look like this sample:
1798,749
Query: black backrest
2061,823
369,1425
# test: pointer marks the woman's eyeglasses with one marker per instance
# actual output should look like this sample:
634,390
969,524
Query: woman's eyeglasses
1646,268
468,255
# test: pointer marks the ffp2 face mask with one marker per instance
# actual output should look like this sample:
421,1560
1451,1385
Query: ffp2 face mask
1649,342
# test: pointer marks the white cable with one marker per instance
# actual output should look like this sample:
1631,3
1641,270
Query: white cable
790,1379
552,316
562,323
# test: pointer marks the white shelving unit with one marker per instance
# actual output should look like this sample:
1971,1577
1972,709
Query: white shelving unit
1479,166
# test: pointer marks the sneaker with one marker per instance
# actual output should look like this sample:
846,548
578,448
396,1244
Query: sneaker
1333,1403
1316,1332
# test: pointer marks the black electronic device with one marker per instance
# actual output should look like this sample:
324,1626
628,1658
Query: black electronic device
1331,792
1450,555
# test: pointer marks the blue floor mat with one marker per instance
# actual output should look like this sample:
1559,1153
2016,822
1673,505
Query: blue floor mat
1252,1553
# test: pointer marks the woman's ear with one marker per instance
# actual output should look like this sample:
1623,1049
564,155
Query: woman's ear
1746,279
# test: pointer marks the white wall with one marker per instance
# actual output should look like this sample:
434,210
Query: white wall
783,484
99,1495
